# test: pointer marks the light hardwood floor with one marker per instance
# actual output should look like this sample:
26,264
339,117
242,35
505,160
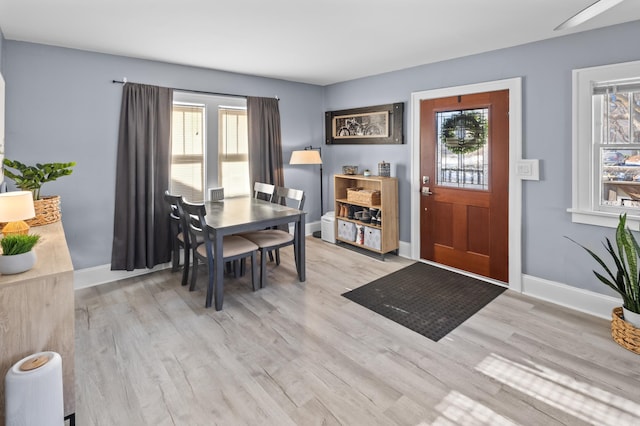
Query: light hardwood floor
149,353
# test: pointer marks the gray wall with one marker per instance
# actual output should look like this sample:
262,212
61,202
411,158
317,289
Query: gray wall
63,106
546,70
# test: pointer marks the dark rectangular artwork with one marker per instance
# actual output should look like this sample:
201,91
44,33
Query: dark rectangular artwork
380,124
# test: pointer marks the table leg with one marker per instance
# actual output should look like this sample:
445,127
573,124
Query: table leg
218,265
218,257
300,246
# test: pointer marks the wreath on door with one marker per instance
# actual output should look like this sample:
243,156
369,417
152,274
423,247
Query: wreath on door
465,132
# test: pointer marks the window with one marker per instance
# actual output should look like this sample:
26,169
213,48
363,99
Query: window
606,144
188,152
233,157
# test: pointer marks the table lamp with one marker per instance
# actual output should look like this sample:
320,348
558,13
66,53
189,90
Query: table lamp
15,207
310,156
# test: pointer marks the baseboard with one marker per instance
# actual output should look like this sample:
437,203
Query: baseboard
309,228
596,304
592,303
404,250
102,274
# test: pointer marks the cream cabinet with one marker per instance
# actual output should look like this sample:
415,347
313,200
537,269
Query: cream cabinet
37,311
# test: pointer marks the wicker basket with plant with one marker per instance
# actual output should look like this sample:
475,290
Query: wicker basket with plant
31,178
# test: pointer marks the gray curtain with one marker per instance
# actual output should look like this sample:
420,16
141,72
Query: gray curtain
141,230
265,141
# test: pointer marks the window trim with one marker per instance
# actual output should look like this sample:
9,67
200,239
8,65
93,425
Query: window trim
584,165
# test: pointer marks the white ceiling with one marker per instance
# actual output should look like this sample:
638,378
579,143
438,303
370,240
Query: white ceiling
319,42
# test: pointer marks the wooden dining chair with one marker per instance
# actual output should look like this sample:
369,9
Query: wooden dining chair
269,240
233,247
178,234
263,191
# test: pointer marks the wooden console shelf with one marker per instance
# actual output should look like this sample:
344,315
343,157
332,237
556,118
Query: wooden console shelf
37,311
383,238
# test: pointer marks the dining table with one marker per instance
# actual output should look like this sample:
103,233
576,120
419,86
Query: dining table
242,214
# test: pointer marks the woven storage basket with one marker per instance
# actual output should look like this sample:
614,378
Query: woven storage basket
624,333
363,196
47,211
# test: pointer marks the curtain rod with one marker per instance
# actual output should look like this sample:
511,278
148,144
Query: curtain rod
196,91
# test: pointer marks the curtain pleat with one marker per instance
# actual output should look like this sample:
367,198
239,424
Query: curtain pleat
140,230
265,141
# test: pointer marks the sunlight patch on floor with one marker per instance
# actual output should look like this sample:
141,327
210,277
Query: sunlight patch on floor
458,409
579,399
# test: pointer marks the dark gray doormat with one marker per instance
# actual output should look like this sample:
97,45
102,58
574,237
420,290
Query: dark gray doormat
428,300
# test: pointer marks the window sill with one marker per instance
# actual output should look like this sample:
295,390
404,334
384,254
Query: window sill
606,219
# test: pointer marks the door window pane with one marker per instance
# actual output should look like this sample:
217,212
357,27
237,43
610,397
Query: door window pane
463,149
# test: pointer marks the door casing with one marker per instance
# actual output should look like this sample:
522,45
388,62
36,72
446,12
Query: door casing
514,85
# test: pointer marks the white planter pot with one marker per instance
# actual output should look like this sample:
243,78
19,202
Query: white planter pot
631,317
17,263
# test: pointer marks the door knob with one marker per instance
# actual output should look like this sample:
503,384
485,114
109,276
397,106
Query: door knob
426,190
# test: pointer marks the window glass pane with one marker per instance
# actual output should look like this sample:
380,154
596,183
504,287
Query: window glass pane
617,117
235,178
233,152
463,149
636,117
620,178
187,152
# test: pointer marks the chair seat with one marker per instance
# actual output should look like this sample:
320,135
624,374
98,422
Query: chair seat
199,238
232,245
268,237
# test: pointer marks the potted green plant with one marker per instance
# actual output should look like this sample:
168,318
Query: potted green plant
31,178
17,254
625,277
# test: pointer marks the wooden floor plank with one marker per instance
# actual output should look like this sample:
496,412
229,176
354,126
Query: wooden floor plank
149,353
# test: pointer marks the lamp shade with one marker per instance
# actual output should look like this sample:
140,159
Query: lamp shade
16,206
307,156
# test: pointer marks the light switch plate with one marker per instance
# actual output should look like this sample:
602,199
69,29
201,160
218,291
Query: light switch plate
528,169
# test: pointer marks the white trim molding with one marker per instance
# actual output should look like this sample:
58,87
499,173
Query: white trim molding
596,304
102,274
514,85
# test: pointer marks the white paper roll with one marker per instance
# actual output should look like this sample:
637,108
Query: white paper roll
33,391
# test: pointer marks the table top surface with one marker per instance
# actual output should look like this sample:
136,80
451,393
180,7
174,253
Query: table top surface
234,212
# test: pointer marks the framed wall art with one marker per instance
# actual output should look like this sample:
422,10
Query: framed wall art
380,124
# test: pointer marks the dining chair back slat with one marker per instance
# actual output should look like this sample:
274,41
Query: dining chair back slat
285,195
263,191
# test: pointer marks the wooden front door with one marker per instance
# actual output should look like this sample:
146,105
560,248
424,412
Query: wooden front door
464,164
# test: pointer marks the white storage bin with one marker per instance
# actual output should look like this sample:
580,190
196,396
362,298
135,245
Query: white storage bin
326,225
372,237
346,230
